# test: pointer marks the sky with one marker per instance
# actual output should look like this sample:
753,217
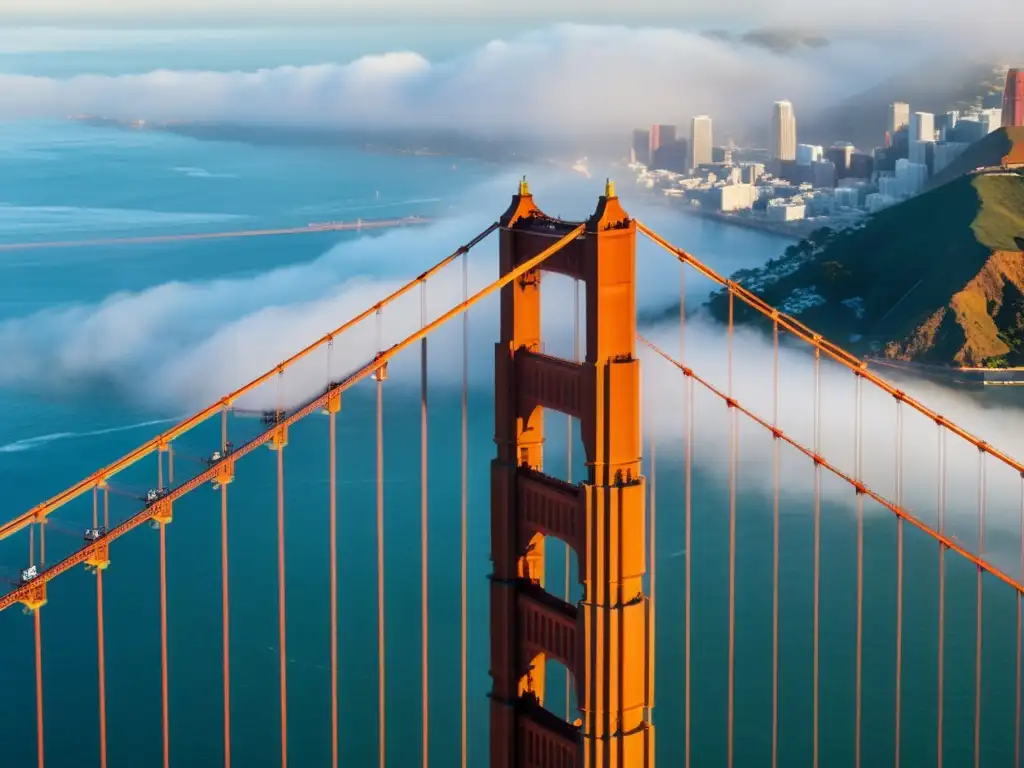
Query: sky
875,14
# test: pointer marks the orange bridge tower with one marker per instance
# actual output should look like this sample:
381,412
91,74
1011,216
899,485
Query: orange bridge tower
605,640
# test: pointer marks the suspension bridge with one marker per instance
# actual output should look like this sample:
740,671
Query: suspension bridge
889,632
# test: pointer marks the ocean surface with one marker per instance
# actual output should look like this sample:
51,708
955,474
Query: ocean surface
101,348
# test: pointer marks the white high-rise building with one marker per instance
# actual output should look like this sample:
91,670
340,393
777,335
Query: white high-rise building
701,144
783,131
922,127
899,115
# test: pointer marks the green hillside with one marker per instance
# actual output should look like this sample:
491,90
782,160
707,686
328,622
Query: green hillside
939,278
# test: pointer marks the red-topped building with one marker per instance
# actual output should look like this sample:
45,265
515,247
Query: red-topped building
1013,98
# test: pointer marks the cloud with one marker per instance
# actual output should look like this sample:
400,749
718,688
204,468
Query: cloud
566,79
180,346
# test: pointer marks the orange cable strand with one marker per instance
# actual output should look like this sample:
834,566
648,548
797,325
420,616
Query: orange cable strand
942,594
861,488
381,722
775,549
312,406
465,514
858,441
40,511
733,436
424,541
688,515
1016,721
899,578
102,668
333,554
817,557
225,611
163,646
281,623
100,660
977,646
39,689
654,571
687,461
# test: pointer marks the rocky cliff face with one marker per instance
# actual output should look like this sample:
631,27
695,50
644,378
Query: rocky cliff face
938,279
981,323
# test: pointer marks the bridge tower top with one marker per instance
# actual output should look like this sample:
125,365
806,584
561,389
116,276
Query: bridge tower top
602,520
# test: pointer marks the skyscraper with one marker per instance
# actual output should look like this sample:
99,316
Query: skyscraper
701,145
783,132
641,150
922,126
1013,98
899,115
661,135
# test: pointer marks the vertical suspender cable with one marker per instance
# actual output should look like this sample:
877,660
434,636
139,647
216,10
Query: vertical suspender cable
39,688
465,517
281,621
775,545
732,544
653,549
688,507
381,722
817,549
332,533
424,570
977,639
100,660
225,614
858,442
164,677
568,470
1016,719
942,594
899,575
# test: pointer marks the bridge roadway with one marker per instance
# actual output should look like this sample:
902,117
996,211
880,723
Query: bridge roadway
327,226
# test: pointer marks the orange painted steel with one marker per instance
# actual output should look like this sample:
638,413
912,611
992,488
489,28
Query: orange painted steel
464,523
801,331
733,438
225,625
333,556
100,660
40,759
858,486
776,485
341,226
816,631
312,406
40,511
381,659
859,463
687,523
899,583
942,594
164,677
424,549
282,634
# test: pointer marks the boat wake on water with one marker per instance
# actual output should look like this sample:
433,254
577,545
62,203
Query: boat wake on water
32,443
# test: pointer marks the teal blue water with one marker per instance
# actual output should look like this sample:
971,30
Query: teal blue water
91,339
